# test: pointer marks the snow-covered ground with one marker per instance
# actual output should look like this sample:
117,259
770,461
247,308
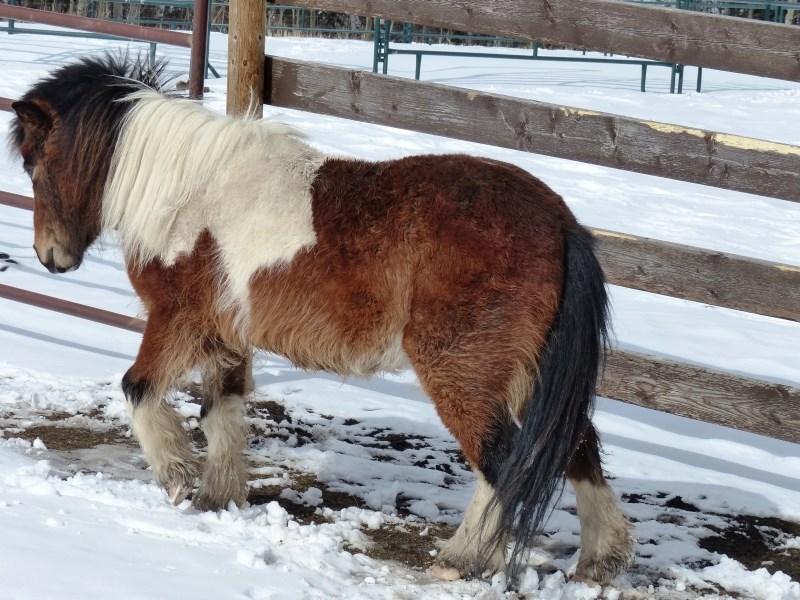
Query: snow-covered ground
340,467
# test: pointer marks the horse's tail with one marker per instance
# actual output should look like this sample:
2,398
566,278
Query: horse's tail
560,405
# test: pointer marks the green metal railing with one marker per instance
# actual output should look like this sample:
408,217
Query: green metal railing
384,34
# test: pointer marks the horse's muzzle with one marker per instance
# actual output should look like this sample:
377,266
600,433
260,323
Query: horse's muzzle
56,260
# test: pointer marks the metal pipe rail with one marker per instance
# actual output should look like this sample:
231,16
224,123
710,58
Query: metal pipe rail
121,30
676,75
55,304
16,200
73,309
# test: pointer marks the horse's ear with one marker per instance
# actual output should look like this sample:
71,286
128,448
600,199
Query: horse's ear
32,115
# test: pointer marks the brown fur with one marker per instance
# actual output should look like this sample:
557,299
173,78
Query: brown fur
183,329
398,256
43,142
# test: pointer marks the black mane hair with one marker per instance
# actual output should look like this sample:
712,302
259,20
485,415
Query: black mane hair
86,92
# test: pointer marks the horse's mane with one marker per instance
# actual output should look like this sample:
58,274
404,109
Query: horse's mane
84,91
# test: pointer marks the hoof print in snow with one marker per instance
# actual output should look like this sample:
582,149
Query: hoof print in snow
6,261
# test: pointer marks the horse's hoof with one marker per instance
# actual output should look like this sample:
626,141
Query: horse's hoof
177,493
178,480
204,502
602,569
445,573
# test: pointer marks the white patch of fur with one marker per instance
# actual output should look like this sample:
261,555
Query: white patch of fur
179,169
165,445
224,427
606,542
224,476
464,549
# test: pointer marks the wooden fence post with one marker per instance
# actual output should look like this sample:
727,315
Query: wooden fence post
247,24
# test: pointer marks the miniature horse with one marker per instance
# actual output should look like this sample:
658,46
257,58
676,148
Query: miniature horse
238,235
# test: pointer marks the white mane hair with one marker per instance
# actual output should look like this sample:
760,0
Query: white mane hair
179,169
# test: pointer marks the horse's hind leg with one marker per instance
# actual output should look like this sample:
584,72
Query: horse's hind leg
222,419
470,389
476,544
155,424
607,547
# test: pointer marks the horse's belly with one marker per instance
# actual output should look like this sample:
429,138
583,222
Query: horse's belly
352,358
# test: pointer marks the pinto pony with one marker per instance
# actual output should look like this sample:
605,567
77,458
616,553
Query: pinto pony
238,235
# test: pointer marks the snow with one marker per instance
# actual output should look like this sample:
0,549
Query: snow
88,523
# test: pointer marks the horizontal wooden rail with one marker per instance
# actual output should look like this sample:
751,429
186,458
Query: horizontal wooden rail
714,397
737,282
122,30
705,157
679,36
5,104
72,308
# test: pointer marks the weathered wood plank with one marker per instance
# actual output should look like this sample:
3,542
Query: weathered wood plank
717,278
721,398
726,43
705,157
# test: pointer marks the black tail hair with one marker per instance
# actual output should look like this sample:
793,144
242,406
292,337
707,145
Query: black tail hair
561,402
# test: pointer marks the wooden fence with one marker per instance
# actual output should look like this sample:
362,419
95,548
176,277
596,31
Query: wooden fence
705,157
688,154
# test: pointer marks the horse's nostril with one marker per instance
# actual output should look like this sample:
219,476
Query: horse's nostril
61,269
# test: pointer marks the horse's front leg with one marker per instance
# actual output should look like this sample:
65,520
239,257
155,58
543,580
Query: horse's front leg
222,418
155,424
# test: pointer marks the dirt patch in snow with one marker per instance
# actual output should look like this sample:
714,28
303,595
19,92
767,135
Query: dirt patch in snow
412,545
758,542
60,438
